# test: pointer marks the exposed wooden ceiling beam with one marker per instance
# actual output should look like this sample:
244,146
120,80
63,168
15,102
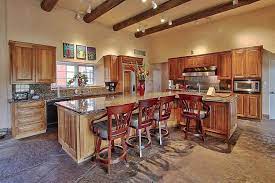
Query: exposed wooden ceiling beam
48,5
148,14
195,16
101,9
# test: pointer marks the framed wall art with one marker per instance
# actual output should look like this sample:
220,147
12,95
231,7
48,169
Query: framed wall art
81,52
68,50
91,53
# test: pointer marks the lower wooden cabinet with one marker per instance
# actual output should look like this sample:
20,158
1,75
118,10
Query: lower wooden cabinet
28,118
249,106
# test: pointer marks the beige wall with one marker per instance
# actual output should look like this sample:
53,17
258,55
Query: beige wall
249,29
4,67
26,22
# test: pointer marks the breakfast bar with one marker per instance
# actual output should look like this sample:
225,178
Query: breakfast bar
75,116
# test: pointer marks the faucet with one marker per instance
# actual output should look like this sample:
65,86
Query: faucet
199,85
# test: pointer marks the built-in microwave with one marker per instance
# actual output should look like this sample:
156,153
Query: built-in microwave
247,86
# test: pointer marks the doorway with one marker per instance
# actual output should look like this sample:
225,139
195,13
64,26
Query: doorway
157,80
272,89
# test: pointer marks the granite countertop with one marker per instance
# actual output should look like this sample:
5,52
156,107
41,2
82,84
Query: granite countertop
94,105
54,98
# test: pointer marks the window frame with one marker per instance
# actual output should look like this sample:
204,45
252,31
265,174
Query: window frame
76,70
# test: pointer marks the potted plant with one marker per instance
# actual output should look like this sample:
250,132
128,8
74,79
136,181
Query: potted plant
82,79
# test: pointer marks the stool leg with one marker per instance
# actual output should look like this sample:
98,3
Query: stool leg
160,136
109,156
139,137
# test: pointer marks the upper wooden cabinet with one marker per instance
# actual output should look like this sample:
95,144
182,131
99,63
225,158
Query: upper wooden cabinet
31,63
111,68
181,66
22,63
247,62
225,66
253,64
201,61
173,68
45,64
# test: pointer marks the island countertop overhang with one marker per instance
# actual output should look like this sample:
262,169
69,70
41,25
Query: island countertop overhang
99,104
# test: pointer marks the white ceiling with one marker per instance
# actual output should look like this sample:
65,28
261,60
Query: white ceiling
130,8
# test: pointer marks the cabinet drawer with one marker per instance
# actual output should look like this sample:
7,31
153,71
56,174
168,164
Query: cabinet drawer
39,104
30,120
30,128
25,112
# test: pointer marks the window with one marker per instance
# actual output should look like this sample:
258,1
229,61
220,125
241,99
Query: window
66,71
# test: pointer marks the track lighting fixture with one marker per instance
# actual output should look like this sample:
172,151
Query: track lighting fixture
170,22
144,1
235,2
89,10
154,5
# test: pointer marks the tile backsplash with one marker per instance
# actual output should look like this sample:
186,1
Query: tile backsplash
45,90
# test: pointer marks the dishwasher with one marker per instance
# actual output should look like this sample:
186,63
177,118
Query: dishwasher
52,116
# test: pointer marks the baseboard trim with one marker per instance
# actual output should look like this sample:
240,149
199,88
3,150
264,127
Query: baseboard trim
266,116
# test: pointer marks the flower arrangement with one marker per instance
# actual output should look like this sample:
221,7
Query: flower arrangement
142,73
82,79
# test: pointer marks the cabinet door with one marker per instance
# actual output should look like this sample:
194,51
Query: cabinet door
225,66
253,64
173,68
254,106
181,66
114,70
190,62
240,105
45,64
22,63
111,68
238,63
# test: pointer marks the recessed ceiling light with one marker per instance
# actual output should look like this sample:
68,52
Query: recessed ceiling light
154,5
144,1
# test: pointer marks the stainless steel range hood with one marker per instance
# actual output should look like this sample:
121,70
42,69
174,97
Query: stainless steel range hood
200,71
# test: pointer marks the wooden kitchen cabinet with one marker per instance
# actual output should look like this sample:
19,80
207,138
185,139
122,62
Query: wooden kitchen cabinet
249,106
32,63
225,66
253,64
28,119
45,64
22,63
111,68
181,66
173,68
247,62
238,63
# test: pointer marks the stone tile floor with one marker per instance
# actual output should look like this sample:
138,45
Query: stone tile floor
41,159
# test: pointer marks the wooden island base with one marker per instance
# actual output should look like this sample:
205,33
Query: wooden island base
74,134
74,119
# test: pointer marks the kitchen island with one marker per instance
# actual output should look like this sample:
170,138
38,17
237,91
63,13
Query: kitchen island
75,116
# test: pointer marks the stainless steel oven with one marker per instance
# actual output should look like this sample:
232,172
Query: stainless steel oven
247,86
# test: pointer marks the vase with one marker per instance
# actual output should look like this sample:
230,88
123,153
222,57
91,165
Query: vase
141,87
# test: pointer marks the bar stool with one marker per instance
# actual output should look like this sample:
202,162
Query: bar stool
143,120
162,115
116,127
193,108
